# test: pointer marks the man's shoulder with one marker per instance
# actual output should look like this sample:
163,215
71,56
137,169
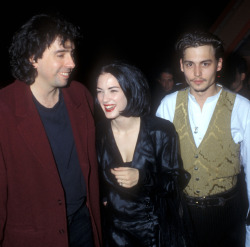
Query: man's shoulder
77,89
169,101
76,85
12,96
77,94
170,97
11,86
8,92
242,100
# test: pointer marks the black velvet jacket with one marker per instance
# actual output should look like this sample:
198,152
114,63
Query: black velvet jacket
152,207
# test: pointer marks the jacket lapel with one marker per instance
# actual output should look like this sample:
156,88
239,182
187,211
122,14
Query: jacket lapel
31,128
79,124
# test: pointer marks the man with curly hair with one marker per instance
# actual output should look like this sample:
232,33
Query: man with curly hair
49,191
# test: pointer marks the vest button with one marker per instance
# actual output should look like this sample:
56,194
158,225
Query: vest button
196,168
196,156
197,179
197,191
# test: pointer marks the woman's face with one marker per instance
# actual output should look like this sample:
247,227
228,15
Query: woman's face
110,96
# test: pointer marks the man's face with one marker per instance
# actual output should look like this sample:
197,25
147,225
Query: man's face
56,65
200,66
237,83
167,81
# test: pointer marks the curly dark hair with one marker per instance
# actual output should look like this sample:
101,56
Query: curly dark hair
199,38
33,38
134,85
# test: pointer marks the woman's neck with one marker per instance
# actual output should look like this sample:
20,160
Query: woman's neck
125,124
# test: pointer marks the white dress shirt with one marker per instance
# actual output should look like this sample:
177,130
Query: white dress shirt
199,121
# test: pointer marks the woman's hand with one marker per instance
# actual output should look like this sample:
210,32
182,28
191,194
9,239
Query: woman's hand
127,177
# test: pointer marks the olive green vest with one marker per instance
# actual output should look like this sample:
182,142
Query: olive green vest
214,165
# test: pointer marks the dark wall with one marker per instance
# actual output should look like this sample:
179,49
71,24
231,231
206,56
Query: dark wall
141,34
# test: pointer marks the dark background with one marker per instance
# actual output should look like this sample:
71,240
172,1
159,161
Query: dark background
142,33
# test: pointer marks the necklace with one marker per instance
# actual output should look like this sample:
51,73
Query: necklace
193,123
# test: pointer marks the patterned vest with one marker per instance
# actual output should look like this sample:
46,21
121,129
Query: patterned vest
215,164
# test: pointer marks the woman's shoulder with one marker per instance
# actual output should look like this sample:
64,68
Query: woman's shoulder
154,123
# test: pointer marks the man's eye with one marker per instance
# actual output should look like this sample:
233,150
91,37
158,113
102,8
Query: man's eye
189,64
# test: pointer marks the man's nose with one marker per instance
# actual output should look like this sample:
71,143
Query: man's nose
197,71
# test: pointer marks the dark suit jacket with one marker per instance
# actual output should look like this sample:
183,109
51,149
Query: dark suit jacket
32,202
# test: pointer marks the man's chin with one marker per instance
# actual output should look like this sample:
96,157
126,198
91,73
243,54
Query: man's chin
62,84
200,90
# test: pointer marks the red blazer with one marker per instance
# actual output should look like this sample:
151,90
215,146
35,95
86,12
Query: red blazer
32,202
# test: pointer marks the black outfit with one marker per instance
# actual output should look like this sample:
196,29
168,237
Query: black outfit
245,91
158,93
151,213
225,211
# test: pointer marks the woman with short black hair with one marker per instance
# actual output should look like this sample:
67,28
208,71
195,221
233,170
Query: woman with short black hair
140,169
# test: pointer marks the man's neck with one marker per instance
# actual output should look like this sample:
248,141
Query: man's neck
47,98
201,97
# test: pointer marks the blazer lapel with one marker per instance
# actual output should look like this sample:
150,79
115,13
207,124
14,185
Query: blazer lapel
79,124
31,128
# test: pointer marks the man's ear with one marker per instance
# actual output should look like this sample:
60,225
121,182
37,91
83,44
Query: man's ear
219,65
33,62
181,65
242,76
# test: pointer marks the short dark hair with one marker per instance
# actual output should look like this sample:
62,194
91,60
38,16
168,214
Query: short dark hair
165,69
33,38
134,85
237,63
199,38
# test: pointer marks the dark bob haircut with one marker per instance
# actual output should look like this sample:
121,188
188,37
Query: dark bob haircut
199,38
33,38
134,85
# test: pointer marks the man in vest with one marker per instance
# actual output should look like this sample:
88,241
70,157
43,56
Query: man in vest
213,125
